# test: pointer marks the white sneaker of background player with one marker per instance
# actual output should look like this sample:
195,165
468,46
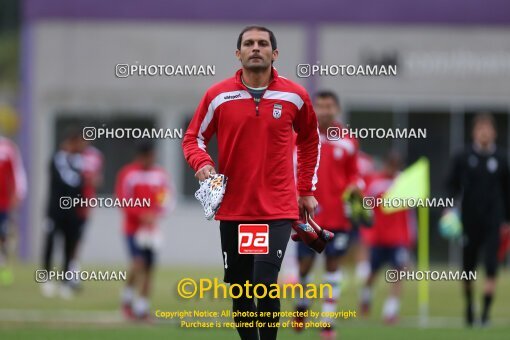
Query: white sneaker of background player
48,289
66,291
391,308
141,307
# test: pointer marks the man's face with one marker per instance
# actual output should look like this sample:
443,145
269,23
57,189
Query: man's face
256,53
148,159
76,145
326,110
484,133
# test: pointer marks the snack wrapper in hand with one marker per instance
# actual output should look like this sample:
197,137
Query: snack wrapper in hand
210,194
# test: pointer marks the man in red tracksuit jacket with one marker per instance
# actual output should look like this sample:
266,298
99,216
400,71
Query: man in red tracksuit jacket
254,115
391,237
337,173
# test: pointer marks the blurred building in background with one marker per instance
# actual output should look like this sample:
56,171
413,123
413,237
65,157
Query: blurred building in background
450,64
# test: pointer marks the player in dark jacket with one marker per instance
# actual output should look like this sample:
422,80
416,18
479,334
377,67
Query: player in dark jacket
479,176
64,219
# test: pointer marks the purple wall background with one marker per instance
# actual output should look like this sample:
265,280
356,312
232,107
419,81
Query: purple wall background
487,12
310,13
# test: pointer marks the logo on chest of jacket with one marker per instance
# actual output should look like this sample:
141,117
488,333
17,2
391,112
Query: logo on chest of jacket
277,111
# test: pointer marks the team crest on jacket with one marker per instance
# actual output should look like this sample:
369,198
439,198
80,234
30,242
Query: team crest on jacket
277,111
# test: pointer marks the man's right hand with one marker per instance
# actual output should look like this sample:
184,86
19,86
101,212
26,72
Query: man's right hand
148,218
205,172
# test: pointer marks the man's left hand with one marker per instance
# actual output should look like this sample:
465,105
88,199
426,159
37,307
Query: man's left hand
307,204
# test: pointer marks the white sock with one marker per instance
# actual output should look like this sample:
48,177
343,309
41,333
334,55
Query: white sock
127,295
363,270
366,295
304,302
391,307
329,305
140,306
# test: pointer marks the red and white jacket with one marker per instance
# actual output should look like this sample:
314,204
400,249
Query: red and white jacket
133,181
389,229
13,179
338,171
255,146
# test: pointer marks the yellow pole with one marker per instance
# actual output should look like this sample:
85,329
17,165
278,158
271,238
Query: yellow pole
423,263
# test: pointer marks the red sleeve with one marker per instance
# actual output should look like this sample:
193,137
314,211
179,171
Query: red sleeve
308,148
120,192
17,174
200,131
352,171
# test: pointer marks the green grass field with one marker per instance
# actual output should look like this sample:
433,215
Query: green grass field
25,314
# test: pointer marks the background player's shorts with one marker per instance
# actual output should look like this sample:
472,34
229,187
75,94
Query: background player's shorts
135,251
3,224
397,257
239,267
481,238
337,247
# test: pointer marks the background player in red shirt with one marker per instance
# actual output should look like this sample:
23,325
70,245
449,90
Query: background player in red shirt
338,172
366,167
141,179
390,238
13,187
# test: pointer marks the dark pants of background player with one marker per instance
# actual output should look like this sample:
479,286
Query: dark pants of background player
70,229
3,225
477,237
396,256
257,269
135,251
336,248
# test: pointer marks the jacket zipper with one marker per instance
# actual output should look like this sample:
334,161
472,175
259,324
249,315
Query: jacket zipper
257,104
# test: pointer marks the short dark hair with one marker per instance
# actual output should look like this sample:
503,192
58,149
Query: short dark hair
484,117
72,132
394,158
272,38
144,148
328,94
